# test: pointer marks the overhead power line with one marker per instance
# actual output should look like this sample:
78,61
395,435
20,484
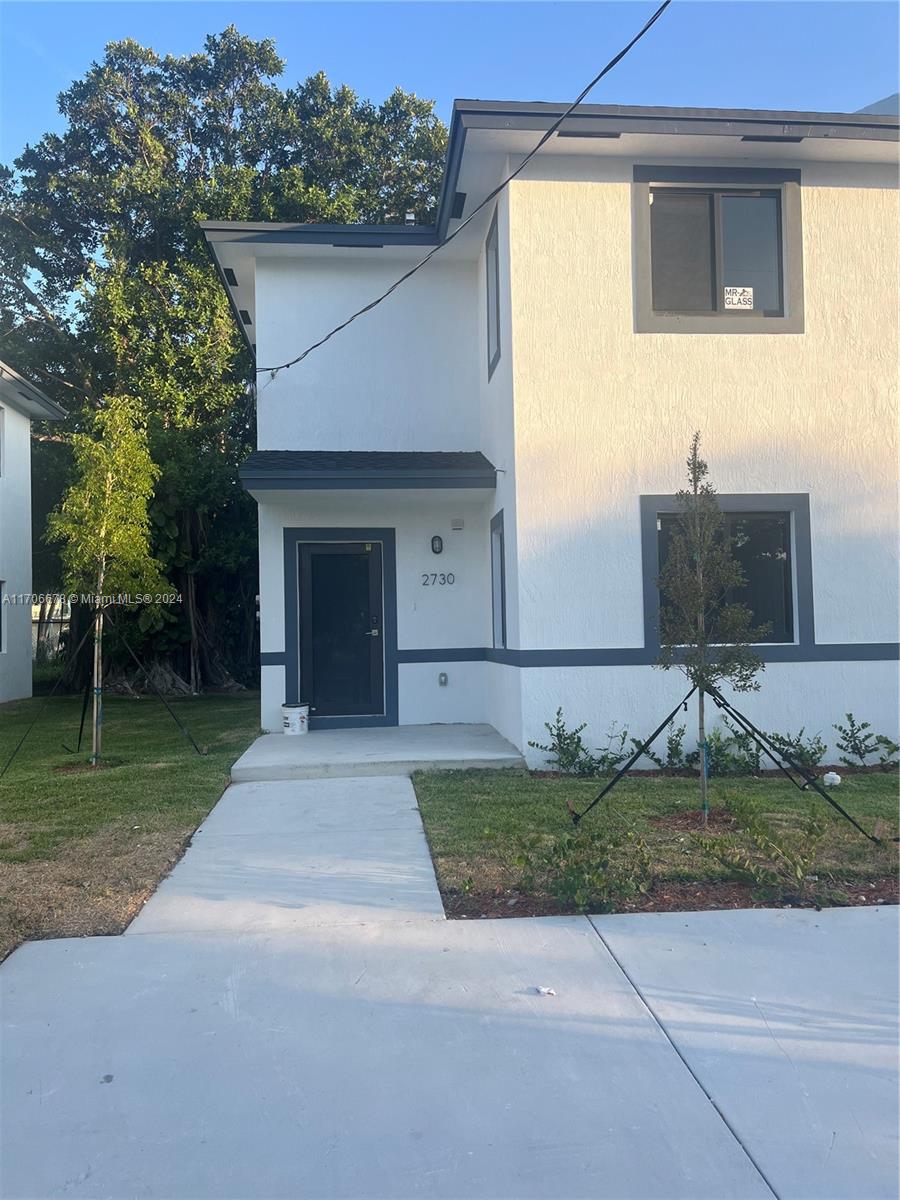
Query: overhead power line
548,134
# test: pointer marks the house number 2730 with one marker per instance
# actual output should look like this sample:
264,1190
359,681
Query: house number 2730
433,580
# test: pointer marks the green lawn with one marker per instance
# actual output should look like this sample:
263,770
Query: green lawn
82,849
477,820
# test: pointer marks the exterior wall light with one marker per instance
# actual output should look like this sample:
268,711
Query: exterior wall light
437,544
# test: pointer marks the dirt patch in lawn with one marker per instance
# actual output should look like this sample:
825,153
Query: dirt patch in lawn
666,897
95,887
691,821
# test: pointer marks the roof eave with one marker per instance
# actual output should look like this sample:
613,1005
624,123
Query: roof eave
25,398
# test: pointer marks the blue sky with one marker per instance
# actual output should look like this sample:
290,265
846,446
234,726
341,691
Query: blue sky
759,53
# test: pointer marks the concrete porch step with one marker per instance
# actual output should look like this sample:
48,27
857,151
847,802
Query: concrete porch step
398,750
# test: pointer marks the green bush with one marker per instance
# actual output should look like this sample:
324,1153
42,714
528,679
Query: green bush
779,863
586,869
675,756
728,752
805,751
859,744
567,753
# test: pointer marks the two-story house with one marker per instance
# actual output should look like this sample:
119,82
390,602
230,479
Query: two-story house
462,496
20,403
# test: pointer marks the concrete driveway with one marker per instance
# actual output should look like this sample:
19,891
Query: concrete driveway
291,1016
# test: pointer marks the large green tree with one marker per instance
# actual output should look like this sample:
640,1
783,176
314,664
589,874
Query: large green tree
107,289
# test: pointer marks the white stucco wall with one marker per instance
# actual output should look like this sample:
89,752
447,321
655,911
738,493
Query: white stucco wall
404,377
604,415
581,417
792,696
428,618
15,552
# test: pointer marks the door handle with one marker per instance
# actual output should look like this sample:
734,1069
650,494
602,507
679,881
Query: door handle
371,633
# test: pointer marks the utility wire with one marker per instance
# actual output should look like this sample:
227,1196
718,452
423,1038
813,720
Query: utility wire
273,371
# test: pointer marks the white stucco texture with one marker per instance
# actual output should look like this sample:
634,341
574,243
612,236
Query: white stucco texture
582,416
15,553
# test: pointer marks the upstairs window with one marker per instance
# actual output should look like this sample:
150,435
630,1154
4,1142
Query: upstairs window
717,251
761,543
492,272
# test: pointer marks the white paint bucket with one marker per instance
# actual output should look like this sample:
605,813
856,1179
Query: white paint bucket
295,718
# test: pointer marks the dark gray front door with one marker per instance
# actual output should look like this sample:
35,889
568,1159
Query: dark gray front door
341,628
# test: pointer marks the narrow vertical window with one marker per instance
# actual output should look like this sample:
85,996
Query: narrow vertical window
492,273
498,582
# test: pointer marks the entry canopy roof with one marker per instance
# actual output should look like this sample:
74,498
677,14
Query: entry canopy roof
287,470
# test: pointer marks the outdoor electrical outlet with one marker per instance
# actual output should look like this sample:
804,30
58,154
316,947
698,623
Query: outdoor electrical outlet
442,679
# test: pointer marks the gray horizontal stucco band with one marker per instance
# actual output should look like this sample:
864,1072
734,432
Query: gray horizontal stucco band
630,656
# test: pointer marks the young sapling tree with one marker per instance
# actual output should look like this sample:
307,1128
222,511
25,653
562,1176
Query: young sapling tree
104,525
702,633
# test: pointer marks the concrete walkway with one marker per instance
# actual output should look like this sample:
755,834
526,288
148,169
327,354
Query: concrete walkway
291,855
397,750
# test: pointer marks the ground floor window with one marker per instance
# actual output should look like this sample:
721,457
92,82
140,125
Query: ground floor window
761,543
770,538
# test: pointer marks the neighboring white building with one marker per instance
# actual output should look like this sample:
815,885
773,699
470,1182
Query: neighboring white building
528,399
20,404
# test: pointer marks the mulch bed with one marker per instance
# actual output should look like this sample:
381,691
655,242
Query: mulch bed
691,820
663,897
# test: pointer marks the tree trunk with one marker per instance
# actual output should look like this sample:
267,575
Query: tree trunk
97,712
190,597
40,632
704,760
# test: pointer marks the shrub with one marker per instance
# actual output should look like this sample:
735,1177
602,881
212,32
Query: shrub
675,757
778,862
805,751
859,744
567,752
586,870
727,754
889,750
745,752
607,760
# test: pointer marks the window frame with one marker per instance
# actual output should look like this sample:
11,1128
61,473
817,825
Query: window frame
492,303
795,504
718,180
498,582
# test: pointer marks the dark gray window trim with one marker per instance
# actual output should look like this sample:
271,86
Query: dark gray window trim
787,181
796,503
492,248
387,538
497,525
